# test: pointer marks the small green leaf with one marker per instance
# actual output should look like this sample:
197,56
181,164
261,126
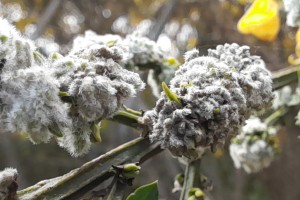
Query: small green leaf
145,192
54,129
186,85
235,140
3,38
96,132
38,57
217,110
69,63
111,43
57,134
171,95
56,56
173,62
63,94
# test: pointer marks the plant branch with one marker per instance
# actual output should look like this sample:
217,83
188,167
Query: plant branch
285,77
117,192
275,116
127,118
191,178
165,14
49,13
81,180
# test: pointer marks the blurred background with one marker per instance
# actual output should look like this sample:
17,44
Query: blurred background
178,26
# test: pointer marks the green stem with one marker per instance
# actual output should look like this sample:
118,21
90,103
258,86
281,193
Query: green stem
275,116
191,178
82,179
135,112
127,118
285,77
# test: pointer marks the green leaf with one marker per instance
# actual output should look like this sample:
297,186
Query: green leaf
3,38
171,95
145,192
38,57
63,94
96,132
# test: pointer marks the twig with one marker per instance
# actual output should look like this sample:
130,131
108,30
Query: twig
191,178
81,179
127,118
117,192
275,116
285,77
162,19
46,18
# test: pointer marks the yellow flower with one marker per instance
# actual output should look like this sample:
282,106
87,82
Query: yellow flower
298,43
261,20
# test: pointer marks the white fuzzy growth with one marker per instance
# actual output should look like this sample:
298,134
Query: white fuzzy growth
254,78
217,94
16,50
29,93
252,154
254,125
252,158
8,35
90,38
138,52
78,142
31,97
143,50
282,97
97,82
146,54
7,177
292,8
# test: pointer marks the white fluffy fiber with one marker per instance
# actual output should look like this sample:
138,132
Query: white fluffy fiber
292,8
218,93
251,150
7,177
28,93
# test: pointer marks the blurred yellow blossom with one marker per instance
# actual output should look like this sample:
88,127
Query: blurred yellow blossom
261,20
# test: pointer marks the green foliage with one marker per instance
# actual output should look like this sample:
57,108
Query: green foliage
145,192
171,95
3,38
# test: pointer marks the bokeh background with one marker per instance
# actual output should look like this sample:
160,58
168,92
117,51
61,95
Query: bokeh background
178,25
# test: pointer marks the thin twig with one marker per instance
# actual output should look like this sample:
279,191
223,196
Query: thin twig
275,116
285,76
191,178
165,14
46,18
66,186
